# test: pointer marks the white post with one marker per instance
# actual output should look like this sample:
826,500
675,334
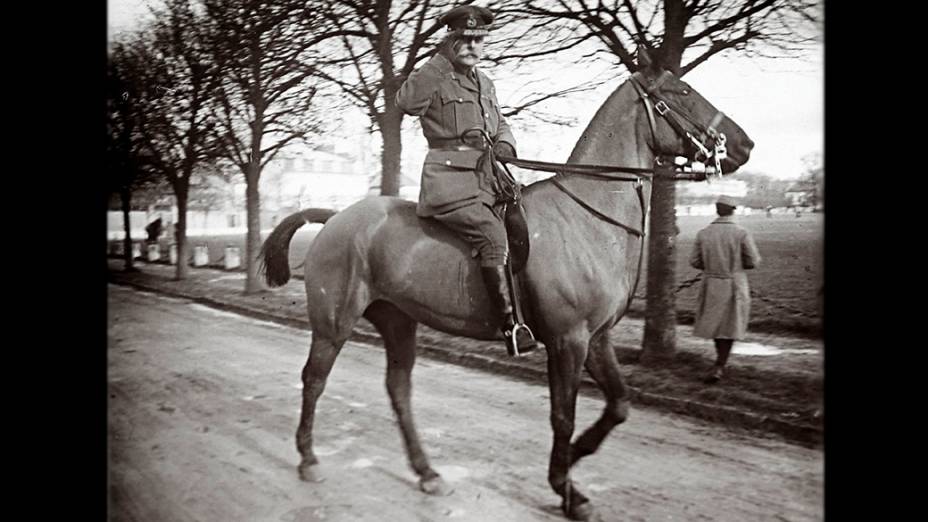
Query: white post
233,260
200,255
136,250
172,254
154,252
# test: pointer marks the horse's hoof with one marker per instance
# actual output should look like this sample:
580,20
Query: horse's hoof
309,472
581,511
435,486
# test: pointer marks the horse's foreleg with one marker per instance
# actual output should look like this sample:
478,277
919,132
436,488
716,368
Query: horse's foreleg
565,362
604,367
322,355
399,334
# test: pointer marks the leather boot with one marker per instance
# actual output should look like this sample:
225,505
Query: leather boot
494,278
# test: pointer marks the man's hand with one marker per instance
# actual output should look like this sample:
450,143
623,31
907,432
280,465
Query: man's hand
503,148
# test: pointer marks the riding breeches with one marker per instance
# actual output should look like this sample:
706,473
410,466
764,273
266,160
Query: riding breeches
482,227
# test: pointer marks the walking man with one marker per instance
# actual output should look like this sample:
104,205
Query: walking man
451,95
723,251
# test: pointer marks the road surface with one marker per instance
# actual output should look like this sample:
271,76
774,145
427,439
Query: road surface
203,407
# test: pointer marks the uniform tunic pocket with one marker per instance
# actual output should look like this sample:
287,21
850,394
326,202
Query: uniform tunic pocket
459,109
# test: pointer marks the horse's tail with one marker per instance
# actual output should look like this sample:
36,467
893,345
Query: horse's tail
274,258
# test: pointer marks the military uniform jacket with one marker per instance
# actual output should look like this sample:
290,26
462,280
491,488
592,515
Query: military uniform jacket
448,104
723,251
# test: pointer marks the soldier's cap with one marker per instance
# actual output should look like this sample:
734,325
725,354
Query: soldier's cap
468,20
728,201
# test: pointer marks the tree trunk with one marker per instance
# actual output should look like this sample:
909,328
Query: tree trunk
253,235
125,195
660,324
183,246
391,122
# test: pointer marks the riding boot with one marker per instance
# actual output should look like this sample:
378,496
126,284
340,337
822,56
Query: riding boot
494,278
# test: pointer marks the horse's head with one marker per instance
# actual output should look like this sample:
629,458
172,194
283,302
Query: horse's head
684,123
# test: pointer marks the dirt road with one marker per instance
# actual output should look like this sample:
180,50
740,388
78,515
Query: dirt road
203,407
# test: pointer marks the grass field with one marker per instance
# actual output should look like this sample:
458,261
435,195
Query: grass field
785,286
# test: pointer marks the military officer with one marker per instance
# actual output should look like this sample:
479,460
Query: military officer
451,95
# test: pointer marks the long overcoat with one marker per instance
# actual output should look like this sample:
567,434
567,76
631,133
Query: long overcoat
723,251
448,103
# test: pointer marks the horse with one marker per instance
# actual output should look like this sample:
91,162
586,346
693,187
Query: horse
376,259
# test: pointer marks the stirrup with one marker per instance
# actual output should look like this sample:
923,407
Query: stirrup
512,344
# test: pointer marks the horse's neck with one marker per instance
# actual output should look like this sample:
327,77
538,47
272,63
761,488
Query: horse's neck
617,135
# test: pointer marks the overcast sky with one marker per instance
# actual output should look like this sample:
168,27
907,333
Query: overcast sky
779,103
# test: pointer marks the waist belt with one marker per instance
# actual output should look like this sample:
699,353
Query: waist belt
451,144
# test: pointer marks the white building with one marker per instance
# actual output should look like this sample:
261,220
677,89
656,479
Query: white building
305,177
697,198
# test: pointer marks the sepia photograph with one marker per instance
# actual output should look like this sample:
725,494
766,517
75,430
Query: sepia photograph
493,260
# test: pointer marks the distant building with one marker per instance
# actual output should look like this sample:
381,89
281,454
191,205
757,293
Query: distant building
698,198
313,177
803,193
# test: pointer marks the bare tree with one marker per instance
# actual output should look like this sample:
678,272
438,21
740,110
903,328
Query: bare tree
178,82
267,52
382,43
680,35
128,168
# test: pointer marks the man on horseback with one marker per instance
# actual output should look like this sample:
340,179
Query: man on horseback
459,188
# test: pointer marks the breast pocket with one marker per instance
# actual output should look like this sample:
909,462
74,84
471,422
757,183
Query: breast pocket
459,110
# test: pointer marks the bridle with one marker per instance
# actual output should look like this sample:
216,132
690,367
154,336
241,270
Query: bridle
699,147
703,143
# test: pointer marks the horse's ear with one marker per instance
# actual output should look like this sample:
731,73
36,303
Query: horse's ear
644,59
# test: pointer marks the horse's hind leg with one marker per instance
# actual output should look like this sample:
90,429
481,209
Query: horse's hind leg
604,367
399,335
322,356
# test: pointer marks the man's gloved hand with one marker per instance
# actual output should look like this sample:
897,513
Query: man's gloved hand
503,148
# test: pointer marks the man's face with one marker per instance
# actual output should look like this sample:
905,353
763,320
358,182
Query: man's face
468,50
